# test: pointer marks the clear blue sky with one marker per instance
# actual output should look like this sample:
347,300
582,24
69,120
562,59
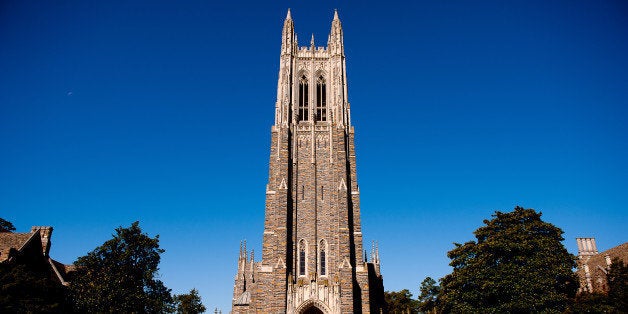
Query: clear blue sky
160,111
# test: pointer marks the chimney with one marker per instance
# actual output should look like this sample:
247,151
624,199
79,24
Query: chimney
586,247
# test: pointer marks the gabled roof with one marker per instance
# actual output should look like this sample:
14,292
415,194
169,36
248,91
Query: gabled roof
620,251
61,270
34,244
17,241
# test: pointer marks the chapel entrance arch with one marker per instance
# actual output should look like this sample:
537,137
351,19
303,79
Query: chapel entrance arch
312,310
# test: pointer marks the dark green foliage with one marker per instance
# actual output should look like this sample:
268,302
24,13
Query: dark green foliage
517,265
613,302
189,303
29,286
618,286
590,303
429,295
400,302
6,226
120,276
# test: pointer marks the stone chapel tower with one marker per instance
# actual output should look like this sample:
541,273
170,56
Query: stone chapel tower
312,257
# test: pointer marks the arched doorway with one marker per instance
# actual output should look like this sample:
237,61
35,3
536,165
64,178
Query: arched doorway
312,310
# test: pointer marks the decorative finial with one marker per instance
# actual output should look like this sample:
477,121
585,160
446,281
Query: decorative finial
288,16
312,41
373,251
335,14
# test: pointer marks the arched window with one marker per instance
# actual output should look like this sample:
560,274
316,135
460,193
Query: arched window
323,258
321,99
302,258
303,99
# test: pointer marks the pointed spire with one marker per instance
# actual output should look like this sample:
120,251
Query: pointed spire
244,252
312,41
335,14
373,251
335,41
288,37
252,266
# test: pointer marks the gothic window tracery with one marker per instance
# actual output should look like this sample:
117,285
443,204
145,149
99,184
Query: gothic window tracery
302,259
321,99
303,99
323,258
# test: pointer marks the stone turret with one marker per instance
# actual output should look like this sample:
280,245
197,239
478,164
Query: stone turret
245,276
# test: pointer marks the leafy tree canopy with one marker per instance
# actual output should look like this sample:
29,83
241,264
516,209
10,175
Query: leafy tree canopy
120,276
618,285
6,226
189,303
517,265
429,295
400,302
590,303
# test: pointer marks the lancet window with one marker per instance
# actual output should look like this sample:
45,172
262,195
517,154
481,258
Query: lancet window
302,258
323,258
303,99
321,99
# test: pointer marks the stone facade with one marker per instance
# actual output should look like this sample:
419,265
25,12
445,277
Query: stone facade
312,258
593,266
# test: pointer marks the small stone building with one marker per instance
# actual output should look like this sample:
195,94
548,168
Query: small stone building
32,245
593,266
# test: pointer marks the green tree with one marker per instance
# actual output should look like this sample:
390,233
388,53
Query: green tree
429,295
400,302
189,303
618,286
590,303
120,276
6,226
517,265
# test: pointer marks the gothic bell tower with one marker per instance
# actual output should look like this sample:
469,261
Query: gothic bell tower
312,258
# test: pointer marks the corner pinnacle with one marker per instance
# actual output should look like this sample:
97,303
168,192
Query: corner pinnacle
288,16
